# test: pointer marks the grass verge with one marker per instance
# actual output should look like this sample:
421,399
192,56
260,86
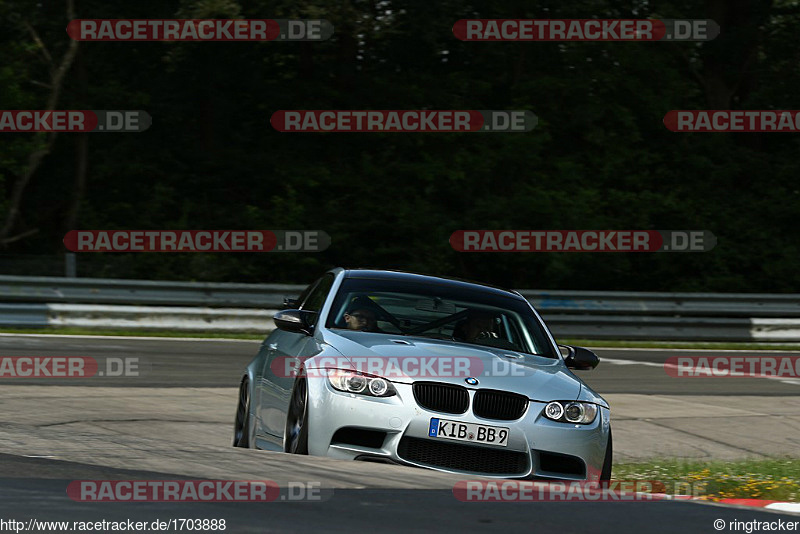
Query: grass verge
771,479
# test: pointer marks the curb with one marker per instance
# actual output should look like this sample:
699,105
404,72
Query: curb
779,506
761,503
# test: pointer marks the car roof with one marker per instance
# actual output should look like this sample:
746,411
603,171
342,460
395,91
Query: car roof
405,276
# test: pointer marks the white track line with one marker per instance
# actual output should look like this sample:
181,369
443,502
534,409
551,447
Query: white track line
616,361
785,507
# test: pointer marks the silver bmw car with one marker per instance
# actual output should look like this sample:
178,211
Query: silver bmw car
423,371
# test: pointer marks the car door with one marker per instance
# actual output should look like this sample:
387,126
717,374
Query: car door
263,403
285,351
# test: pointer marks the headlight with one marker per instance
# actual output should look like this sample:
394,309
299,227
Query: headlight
554,411
378,386
581,413
352,382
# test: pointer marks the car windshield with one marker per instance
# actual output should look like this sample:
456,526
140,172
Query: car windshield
431,310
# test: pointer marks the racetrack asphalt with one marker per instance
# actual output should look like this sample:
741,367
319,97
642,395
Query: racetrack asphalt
175,421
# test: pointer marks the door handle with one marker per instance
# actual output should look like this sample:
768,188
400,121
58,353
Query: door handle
272,346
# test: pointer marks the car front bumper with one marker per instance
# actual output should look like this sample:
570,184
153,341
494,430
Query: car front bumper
395,429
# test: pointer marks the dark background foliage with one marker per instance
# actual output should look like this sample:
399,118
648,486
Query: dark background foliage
600,157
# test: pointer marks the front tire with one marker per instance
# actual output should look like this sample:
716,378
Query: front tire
606,473
296,433
241,427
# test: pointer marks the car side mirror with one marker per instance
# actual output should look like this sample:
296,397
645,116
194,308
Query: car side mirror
579,358
292,321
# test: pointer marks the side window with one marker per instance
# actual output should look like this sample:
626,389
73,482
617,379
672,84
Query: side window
317,297
304,295
294,303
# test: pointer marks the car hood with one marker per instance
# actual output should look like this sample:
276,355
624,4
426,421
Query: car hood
403,359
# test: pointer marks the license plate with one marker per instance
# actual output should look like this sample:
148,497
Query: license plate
456,430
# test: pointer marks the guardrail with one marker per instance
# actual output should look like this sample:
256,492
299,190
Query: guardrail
31,289
669,304
188,306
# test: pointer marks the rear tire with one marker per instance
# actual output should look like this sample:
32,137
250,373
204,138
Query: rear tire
241,427
296,433
606,473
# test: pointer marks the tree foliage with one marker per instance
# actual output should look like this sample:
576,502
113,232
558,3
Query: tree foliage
600,157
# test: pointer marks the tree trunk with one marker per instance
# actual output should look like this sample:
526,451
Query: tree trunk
37,156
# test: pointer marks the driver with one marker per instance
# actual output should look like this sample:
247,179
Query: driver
362,319
476,326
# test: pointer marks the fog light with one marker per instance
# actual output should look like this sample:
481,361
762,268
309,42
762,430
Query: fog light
554,410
